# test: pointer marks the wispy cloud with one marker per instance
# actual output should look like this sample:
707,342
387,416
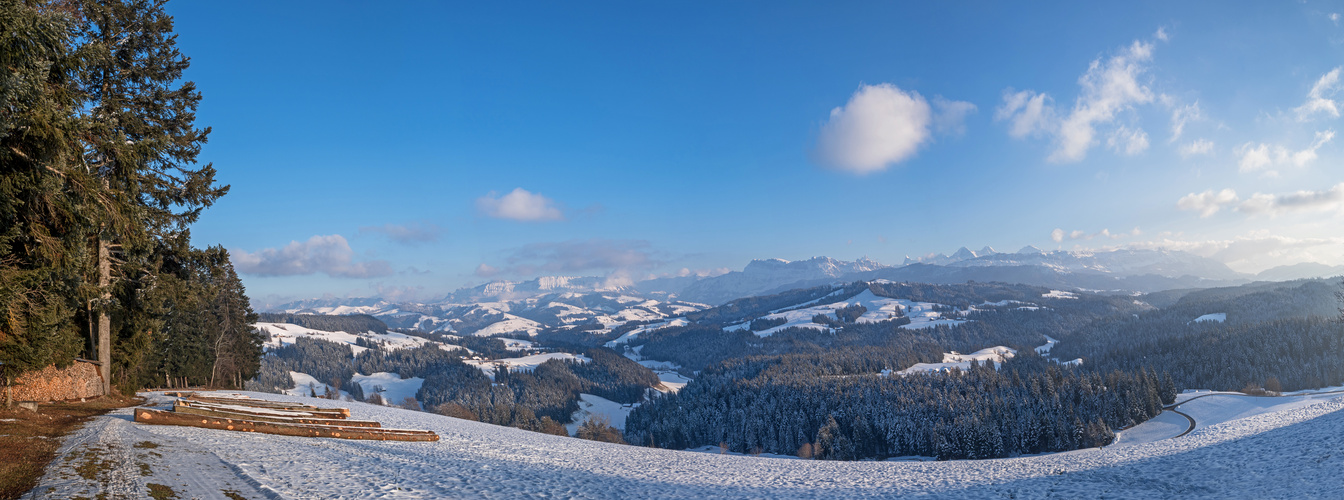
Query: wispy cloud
1059,235
406,234
1208,202
520,205
599,256
330,255
1320,98
1181,115
1197,147
1250,252
1267,159
882,125
1108,87
1127,141
1326,199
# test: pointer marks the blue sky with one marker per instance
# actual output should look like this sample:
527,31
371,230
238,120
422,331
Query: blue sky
410,149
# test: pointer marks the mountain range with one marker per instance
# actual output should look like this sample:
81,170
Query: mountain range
598,303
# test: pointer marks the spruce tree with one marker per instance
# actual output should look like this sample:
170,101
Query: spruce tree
140,140
44,196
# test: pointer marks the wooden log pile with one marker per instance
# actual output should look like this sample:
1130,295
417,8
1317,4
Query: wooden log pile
244,414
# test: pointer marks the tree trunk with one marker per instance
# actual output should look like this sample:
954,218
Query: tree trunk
105,322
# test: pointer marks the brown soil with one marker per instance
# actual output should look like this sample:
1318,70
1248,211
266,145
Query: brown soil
28,440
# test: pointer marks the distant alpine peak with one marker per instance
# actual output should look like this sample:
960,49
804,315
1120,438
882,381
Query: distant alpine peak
1030,249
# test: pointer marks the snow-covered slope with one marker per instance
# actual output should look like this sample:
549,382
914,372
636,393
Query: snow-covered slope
1293,453
500,315
279,334
921,314
525,363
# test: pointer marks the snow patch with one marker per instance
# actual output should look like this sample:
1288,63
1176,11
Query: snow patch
997,354
525,363
1215,317
395,389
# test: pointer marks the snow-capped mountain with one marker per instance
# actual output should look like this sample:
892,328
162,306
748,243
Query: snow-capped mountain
517,290
769,275
1124,262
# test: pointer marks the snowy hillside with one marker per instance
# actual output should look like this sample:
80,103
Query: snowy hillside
921,314
279,334
499,315
1291,453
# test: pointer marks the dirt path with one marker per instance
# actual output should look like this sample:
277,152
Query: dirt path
112,457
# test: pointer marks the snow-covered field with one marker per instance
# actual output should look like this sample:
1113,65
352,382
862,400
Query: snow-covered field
625,338
1060,294
395,389
1294,453
591,406
281,334
921,314
997,354
1215,317
525,363
1213,408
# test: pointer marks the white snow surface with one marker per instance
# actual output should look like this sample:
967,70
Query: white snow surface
525,363
510,325
281,334
1060,294
921,314
997,354
516,345
395,389
1293,453
1216,317
1213,408
591,406
305,384
647,328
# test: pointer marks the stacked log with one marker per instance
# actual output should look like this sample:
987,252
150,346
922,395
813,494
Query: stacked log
244,414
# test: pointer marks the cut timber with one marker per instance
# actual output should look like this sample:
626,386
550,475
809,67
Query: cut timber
208,411
273,405
283,411
159,417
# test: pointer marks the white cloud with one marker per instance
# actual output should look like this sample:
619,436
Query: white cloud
1334,17
1108,87
407,234
882,125
486,270
1028,113
1128,141
519,205
1248,253
1058,235
1198,147
1319,98
950,116
1208,202
576,257
1258,157
330,255
879,126
1328,199
1180,115
1161,34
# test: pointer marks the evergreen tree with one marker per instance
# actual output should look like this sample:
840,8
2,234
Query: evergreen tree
139,139
44,196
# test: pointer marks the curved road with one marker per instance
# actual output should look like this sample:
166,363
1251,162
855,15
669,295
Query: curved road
1192,419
